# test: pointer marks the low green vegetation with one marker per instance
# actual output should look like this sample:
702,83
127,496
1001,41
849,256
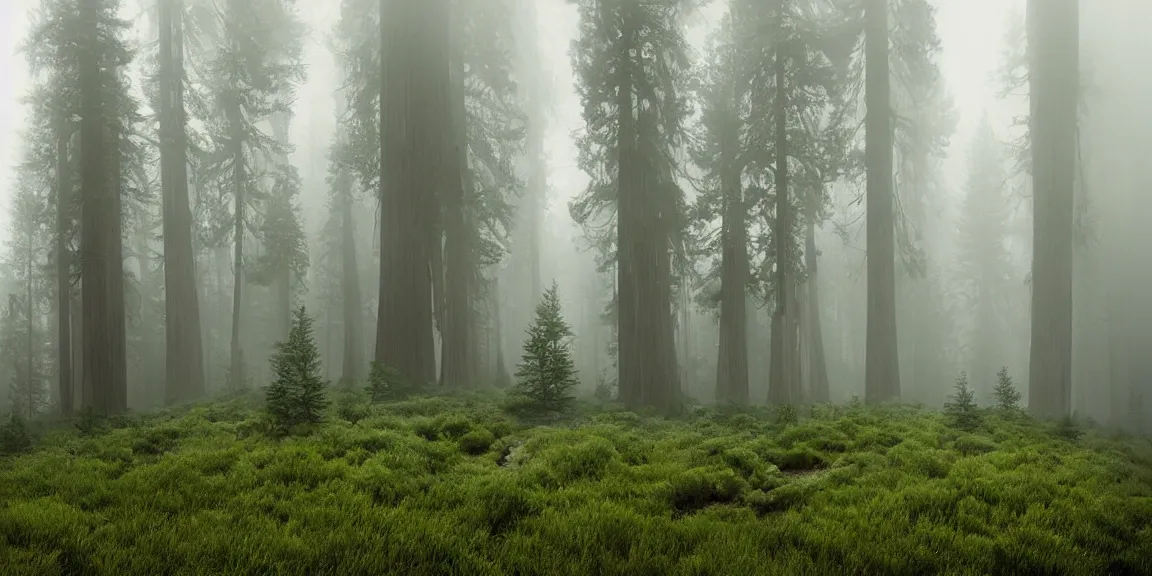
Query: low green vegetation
454,485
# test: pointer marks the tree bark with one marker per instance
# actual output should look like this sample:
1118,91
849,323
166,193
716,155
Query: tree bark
413,102
782,375
30,364
648,374
79,384
629,378
64,222
817,365
353,365
732,361
236,353
456,351
1054,80
882,362
100,229
118,312
184,349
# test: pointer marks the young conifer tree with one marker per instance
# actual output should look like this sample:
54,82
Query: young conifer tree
961,407
298,394
546,373
1007,397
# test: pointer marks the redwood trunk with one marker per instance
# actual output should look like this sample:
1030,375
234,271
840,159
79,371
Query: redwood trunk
817,365
64,270
354,365
184,347
458,314
414,58
881,363
782,384
1054,88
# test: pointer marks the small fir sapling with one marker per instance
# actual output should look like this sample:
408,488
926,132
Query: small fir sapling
385,383
546,373
961,407
1007,397
298,393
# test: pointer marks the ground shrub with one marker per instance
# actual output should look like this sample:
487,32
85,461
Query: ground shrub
352,406
14,436
800,460
698,488
1068,429
561,463
971,445
476,441
88,422
787,415
156,441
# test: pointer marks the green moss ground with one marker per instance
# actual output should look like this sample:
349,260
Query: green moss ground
438,486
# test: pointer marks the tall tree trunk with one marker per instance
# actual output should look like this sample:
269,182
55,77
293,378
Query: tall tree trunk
79,384
732,362
184,348
354,365
502,379
282,275
456,351
882,358
412,129
117,310
64,269
100,226
143,377
1054,80
628,362
646,341
782,375
817,365
236,353
30,364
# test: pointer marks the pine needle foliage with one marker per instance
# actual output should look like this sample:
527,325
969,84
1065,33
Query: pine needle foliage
546,373
298,393
1007,397
961,407
386,383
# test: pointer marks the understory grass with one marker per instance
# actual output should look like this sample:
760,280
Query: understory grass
451,485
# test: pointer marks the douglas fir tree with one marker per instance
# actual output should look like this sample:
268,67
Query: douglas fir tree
546,374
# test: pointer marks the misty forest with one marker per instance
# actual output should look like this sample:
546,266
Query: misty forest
613,287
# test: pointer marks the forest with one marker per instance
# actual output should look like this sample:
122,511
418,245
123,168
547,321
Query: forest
614,287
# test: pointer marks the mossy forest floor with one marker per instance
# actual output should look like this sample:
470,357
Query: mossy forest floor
441,486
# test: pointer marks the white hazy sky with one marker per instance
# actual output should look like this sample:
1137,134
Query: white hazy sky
971,32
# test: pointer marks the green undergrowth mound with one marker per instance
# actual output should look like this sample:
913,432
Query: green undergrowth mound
442,486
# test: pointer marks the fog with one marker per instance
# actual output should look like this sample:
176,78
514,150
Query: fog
963,224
